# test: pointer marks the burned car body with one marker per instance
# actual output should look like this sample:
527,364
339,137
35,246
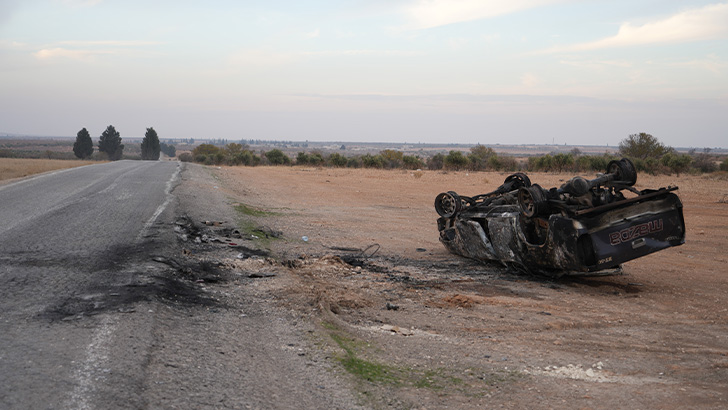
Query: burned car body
583,227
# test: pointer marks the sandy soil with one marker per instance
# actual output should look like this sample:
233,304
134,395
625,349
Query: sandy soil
451,333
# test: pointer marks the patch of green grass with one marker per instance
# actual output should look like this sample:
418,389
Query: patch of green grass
363,369
367,370
252,211
250,228
442,380
329,326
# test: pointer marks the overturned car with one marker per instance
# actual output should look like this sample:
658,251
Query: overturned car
583,227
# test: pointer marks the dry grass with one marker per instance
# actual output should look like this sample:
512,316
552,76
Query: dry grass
11,168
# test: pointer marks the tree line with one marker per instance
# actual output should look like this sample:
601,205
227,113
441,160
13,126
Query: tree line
647,152
111,148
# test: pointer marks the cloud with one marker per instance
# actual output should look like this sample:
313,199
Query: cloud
86,50
711,63
52,53
424,14
11,45
707,23
314,34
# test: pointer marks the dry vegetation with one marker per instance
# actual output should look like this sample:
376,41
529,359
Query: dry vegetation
11,168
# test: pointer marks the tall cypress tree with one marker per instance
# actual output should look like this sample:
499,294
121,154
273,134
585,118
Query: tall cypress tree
84,146
110,143
150,145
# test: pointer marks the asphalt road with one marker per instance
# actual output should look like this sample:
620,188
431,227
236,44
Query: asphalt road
67,243
95,315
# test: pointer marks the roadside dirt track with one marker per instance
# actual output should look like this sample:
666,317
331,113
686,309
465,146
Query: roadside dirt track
450,333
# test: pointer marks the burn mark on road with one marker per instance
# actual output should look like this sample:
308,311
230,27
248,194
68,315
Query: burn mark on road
128,275
168,288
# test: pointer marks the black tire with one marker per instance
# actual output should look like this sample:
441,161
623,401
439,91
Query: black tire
623,171
448,204
532,201
517,181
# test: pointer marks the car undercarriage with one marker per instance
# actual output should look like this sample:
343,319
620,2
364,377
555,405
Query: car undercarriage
582,227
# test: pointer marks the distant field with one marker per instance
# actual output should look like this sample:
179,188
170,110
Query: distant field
18,167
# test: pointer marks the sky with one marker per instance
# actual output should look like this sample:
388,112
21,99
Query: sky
417,71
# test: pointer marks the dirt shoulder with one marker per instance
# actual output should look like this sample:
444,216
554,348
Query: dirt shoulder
416,327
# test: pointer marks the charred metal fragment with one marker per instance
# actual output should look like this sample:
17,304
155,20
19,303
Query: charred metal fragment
583,227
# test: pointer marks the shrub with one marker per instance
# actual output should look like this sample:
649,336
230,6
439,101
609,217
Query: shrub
353,162
436,161
479,157
412,162
642,146
563,161
372,161
455,160
302,158
509,164
337,160
185,157
205,149
391,158
676,162
219,157
502,163
247,158
316,158
704,163
277,157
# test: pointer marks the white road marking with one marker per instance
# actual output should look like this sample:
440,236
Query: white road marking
161,208
91,370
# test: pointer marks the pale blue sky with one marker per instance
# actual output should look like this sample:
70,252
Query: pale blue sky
521,71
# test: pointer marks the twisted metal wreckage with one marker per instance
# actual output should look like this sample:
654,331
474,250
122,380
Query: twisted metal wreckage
583,227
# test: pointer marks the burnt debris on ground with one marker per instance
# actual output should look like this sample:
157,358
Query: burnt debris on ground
216,234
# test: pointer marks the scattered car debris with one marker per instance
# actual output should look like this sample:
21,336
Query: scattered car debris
214,232
584,226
